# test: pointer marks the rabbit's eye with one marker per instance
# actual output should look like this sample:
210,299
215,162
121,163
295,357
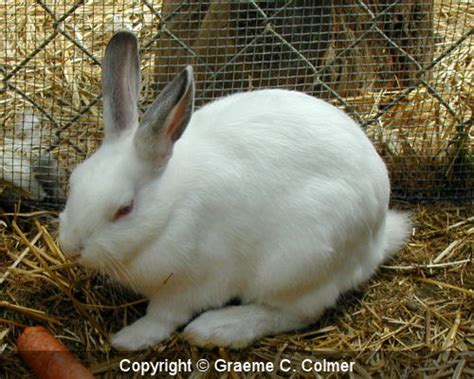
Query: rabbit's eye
123,211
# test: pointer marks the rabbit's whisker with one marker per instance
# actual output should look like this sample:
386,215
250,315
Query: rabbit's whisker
121,271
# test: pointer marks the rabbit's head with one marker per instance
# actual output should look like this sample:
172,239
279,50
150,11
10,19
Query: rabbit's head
101,221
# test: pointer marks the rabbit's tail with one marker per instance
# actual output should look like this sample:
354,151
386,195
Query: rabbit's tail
397,230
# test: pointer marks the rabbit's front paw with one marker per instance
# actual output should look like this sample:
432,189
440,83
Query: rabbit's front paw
139,335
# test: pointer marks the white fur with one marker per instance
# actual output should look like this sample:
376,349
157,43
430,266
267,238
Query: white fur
272,196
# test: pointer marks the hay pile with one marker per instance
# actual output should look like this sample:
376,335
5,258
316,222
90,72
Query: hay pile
414,318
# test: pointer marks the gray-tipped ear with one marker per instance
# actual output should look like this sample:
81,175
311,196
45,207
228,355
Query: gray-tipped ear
120,83
166,119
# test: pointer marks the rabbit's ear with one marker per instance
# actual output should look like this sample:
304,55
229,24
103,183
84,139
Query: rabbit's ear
120,83
166,119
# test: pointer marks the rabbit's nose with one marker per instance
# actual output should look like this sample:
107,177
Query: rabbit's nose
71,251
74,255
71,254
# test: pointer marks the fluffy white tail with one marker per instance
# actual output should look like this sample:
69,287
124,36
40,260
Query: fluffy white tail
397,230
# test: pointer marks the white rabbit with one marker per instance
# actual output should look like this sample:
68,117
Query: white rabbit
273,197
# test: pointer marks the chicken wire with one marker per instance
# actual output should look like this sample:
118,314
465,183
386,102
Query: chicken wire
403,69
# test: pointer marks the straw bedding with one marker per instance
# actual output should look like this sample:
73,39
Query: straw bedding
413,318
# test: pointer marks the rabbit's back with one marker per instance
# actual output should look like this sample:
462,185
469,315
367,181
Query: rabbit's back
277,139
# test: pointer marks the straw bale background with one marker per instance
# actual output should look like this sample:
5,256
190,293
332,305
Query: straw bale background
403,70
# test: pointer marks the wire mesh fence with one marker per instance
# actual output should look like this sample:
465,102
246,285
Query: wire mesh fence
402,68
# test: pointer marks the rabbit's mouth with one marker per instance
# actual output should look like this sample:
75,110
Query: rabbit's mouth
75,257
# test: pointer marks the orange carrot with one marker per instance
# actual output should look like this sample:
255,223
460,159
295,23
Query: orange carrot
48,357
